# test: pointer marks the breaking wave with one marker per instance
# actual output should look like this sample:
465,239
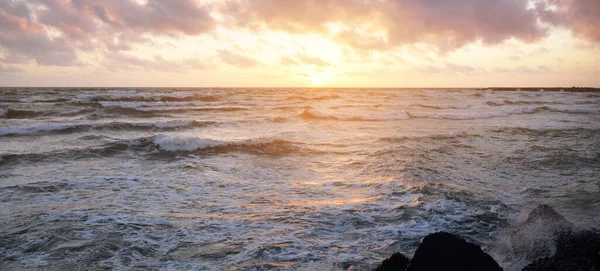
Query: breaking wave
154,111
500,102
444,106
472,116
317,115
135,96
63,128
265,145
169,145
547,131
451,135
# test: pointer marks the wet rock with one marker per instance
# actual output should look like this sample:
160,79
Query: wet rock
535,238
545,216
397,262
445,251
575,250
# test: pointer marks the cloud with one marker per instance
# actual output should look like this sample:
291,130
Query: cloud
22,37
581,16
51,32
57,32
288,61
448,69
120,61
523,69
310,60
446,24
9,69
238,60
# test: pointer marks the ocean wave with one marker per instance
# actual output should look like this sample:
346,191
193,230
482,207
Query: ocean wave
575,110
317,115
187,144
166,145
450,135
123,94
444,106
500,102
317,98
472,116
34,100
291,107
547,130
20,114
26,114
135,96
146,104
157,111
63,128
496,102
168,106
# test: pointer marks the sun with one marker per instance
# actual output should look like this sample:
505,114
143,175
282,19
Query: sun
317,78
320,76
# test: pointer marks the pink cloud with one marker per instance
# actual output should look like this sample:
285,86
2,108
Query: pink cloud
53,32
85,25
9,69
236,59
582,17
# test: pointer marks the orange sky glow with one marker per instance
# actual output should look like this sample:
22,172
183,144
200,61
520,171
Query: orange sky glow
294,43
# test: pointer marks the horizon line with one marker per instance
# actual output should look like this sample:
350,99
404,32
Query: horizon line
319,87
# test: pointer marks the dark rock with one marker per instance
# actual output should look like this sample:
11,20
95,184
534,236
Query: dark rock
397,262
445,251
548,217
575,250
535,238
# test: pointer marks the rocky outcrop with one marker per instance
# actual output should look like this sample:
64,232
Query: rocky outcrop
534,238
445,251
575,250
442,251
397,262
546,239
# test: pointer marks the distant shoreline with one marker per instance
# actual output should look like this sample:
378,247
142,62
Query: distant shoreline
571,89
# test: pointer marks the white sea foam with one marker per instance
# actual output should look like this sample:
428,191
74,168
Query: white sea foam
184,143
496,102
146,104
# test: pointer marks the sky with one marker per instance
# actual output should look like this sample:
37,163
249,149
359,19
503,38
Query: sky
295,43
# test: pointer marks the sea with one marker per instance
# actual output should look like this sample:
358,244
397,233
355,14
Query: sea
282,178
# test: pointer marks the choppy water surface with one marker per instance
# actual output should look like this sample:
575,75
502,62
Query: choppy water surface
282,179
